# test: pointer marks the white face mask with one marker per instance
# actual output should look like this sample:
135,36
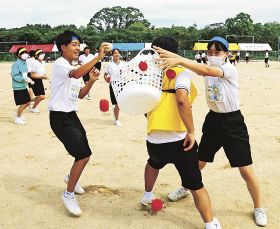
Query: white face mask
216,61
24,56
41,56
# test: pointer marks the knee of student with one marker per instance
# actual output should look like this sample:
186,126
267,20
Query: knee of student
247,173
86,160
202,164
42,97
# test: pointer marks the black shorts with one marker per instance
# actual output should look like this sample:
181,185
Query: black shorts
266,60
38,87
232,61
21,97
112,96
70,131
229,131
237,58
86,77
198,60
186,163
247,58
204,60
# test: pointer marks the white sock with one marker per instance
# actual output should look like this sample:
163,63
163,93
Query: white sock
148,194
69,195
209,225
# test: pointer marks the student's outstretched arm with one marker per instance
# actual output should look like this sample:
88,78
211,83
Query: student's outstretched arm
170,60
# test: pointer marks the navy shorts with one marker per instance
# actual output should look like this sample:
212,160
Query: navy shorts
70,131
186,162
227,130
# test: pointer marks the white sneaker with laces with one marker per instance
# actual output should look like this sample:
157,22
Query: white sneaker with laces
260,217
71,205
78,188
34,110
178,194
147,199
118,123
19,121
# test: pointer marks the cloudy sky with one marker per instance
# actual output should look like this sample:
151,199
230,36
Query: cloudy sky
17,13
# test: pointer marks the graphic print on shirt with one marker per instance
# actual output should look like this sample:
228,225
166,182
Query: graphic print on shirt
74,92
215,92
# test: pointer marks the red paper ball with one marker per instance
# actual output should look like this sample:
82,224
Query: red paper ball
143,66
156,205
171,74
104,105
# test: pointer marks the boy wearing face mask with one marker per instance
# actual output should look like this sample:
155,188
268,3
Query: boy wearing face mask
19,84
224,124
38,73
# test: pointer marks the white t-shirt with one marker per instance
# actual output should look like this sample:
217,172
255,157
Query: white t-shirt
31,64
203,55
183,80
247,54
112,68
197,56
266,55
222,93
64,90
39,67
83,59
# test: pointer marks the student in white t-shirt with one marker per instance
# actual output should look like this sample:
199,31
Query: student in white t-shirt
83,59
266,56
204,57
30,64
224,125
197,57
38,74
65,91
247,56
111,68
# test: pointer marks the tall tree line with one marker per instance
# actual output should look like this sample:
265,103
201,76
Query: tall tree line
119,24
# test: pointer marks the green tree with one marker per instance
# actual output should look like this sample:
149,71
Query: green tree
116,18
242,24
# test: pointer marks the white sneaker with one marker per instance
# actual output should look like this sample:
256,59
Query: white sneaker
71,205
260,217
78,188
118,123
214,225
19,121
178,194
34,110
88,97
146,200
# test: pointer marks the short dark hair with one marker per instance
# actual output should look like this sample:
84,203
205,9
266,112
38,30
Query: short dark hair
86,48
218,46
32,53
167,43
65,38
115,50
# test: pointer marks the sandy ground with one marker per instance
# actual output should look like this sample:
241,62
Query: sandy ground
34,162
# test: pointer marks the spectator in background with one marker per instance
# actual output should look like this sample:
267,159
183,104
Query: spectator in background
266,57
204,57
247,56
197,57
84,59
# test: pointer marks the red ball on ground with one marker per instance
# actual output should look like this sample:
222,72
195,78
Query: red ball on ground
156,205
104,105
143,66
171,74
